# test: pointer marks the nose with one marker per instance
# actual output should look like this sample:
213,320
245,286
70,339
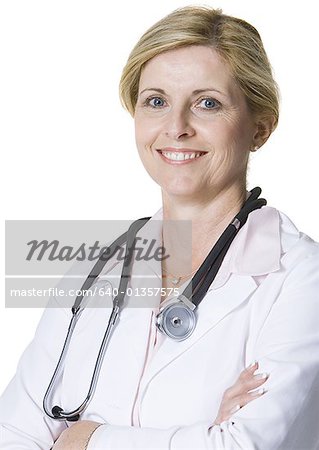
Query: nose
178,124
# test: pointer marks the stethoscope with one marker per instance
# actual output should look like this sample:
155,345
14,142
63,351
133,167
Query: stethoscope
177,319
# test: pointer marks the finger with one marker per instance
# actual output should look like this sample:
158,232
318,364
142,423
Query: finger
243,386
249,370
254,381
257,380
244,399
238,403
230,407
244,376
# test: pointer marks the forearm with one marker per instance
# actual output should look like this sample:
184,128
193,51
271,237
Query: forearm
196,436
77,436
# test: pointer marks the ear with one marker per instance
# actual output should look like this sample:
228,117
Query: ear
264,127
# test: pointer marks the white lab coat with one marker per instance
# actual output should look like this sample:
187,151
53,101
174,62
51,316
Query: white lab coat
263,305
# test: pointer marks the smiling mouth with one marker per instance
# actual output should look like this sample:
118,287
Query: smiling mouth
182,155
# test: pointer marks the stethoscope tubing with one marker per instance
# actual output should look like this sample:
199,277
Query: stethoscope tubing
53,414
199,284
57,412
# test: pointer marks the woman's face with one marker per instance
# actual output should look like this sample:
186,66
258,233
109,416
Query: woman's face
193,127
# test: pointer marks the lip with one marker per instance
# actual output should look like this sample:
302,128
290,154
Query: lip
179,150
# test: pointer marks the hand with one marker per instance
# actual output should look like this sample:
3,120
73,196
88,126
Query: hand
238,394
77,436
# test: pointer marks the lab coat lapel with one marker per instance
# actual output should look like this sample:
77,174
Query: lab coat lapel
140,308
145,285
215,306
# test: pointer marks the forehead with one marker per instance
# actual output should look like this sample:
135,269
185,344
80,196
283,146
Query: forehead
193,67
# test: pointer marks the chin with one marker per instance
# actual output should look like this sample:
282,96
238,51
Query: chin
180,191
177,186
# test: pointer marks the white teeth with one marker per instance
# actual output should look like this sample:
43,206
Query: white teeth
180,156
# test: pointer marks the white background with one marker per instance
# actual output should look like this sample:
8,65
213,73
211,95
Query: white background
67,147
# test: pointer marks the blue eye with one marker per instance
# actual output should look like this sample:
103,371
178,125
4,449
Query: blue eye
209,103
155,102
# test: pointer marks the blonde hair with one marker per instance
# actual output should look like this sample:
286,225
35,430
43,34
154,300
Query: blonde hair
237,42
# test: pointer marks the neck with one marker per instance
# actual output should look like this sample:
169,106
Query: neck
197,227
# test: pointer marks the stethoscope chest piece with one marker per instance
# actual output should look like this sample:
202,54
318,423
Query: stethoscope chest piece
176,320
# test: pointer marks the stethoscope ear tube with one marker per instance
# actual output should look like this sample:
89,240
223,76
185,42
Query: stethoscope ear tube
128,258
200,283
98,267
57,412
213,263
72,416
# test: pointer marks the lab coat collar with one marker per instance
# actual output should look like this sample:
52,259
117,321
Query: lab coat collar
255,251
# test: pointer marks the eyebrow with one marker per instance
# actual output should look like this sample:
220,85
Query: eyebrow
197,91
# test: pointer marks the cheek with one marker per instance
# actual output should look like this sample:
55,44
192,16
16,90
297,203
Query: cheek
145,132
230,140
139,132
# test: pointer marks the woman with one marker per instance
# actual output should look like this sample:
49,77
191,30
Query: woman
201,91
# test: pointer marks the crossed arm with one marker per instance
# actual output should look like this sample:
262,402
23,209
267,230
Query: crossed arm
78,436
